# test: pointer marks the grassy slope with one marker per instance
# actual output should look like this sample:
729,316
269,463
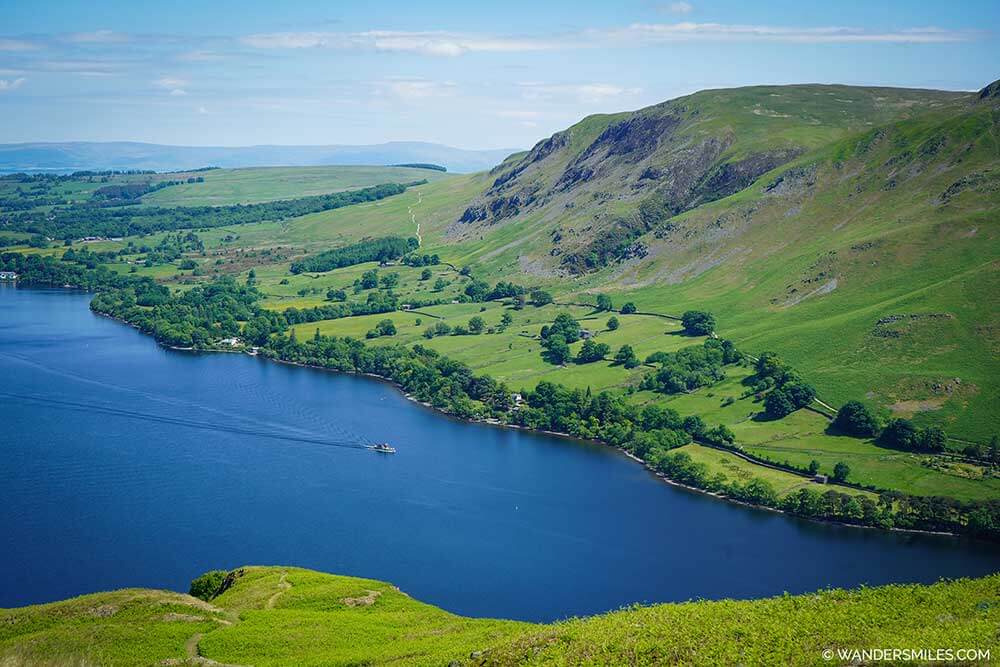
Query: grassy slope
290,616
873,221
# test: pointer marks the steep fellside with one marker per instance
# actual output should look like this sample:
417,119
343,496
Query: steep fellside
851,230
670,158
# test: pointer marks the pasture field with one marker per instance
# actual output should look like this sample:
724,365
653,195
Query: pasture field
260,184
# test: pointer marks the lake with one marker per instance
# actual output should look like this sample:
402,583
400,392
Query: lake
127,464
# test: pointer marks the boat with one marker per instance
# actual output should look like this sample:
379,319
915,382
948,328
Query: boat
383,447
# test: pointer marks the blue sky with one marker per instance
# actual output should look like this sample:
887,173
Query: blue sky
468,74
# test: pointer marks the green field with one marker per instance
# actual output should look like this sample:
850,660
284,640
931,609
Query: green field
259,184
290,616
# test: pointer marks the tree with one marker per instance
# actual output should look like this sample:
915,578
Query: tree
698,323
604,302
506,319
628,308
207,585
694,425
854,418
904,434
626,357
556,349
426,274
369,279
251,277
440,284
389,280
477,325
540,298
477,290
613,323
841,471
564,325
933,439
777,404
813,467
591,351
336,295
385,327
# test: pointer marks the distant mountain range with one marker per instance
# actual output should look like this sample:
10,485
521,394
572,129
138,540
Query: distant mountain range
73,156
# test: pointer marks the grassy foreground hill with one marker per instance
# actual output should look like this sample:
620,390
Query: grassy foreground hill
268,616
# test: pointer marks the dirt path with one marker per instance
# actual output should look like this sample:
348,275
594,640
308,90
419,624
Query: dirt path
191,646
283,586
413,217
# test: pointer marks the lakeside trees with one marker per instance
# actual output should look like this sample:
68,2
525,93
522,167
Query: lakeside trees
204,315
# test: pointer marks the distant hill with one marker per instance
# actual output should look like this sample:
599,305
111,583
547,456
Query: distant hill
72,156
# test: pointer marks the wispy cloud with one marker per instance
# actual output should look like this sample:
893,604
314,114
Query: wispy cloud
173,85
677,7
523,118
415,89
444,43
11,84
583,92
88,68
429,43
687,31
17,45
98,37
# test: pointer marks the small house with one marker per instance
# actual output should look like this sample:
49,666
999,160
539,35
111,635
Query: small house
819,479
8,275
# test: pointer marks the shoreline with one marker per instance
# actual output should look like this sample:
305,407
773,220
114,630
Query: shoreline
495,423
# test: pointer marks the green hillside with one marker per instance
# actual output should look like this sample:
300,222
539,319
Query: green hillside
290,616
800,215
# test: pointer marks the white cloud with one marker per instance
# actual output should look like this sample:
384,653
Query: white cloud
11,84
200,56
450,44
687,31
519,115
429,43
416,89
202,110
16,45
98,37
582,92
175,86
523,118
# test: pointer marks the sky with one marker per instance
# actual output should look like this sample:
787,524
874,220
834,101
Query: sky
468,74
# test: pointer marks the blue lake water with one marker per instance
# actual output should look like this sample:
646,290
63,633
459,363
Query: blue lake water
126,464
